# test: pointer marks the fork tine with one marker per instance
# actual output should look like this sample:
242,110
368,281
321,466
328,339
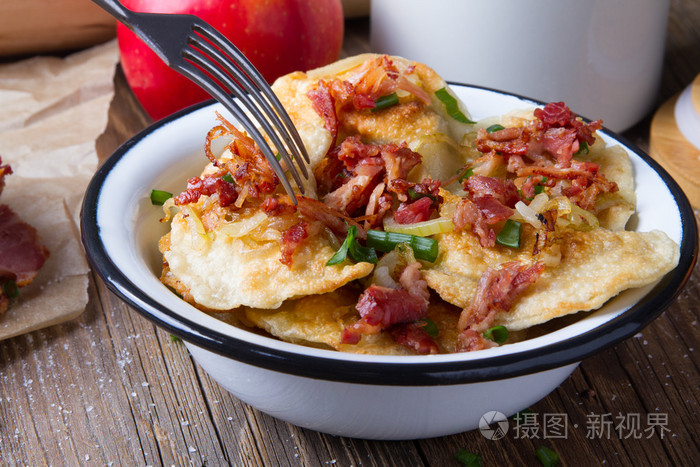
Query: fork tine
220,41
242,80
214,89
211,68
233,88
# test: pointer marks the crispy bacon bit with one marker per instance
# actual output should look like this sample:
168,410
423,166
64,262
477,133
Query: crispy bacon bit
357,169
382,307
487,203
510,141
376,78
273,206
416,211
490,187
21,253
399,160
208,185
292,238
248,166
323,104
546,148
496,291
413,336
471,341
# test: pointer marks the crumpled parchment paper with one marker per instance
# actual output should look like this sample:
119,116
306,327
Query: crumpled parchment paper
51,112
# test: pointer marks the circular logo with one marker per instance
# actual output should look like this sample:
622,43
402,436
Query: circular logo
493,425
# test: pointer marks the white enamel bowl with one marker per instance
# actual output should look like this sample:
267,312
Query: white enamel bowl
373,397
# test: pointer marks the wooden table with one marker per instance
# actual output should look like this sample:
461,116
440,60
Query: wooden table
110,388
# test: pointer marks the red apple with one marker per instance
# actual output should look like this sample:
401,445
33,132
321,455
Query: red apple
277,36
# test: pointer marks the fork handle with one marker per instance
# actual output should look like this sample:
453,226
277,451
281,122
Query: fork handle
114,8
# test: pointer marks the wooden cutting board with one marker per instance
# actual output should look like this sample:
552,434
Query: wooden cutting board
42,26
672,150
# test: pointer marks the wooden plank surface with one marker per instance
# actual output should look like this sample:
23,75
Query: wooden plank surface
111,389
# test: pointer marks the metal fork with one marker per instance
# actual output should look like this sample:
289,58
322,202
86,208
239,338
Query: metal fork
195,49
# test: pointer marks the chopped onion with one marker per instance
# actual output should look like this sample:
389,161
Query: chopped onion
525,213
582,219
167,211
420,229
195,223
539,202
242,227
383,278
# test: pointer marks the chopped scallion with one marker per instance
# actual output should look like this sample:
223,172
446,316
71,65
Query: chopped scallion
451,105
158,197
510,234
228,177
362,254
423,248
429,326
495,127
539,189
415,195
498,334
547,457
342,252
385,101
468,459
351,246
10,288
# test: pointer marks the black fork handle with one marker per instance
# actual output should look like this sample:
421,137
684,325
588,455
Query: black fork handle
114,8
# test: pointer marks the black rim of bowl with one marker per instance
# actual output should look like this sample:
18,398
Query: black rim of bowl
556,355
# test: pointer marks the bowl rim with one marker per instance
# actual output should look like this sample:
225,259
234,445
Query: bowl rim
558,354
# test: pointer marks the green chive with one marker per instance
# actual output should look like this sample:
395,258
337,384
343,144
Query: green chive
351,246
451,105
342,252
429,326
158,197
362,254
510,234
174,338
466,174
539,189
495,127
582,149
547,457
423,247
228,177
415,195
468,459
498,334
10,288
385,101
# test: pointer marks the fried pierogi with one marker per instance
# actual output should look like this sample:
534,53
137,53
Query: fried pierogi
417,115
421,231
227,267
586,268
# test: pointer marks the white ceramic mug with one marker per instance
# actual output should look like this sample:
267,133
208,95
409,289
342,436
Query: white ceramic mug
602,57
